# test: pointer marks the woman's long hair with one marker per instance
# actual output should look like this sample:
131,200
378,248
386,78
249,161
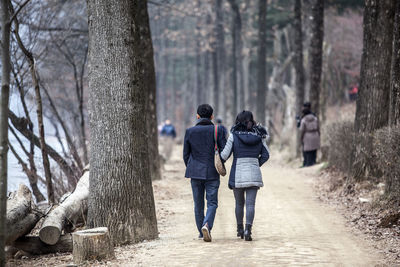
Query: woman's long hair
244,122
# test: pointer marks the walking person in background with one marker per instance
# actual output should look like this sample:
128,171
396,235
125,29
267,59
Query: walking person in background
247,142
168,134
220,124
309,135
198,154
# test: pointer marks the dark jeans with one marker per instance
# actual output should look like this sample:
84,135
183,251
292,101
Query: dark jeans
250,200
210,189
310,157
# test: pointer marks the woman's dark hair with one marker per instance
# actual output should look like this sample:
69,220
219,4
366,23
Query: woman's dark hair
244,121
205,111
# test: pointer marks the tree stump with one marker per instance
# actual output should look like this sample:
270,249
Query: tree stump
92,244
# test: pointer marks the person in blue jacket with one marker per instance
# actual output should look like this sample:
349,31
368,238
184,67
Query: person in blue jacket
198,154
248,144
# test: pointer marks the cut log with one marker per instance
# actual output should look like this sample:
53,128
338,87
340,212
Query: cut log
22,214
69,212
92,244
33,245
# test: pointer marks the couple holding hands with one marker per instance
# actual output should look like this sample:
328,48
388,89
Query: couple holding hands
247,143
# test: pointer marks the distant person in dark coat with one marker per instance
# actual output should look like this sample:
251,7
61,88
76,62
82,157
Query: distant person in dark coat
168,134
219,123
248,144
198,154
168,129
309,135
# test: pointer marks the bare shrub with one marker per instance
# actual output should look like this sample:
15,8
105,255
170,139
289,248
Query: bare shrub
387,152
340,142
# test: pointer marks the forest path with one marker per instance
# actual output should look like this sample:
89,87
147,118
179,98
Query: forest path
291,227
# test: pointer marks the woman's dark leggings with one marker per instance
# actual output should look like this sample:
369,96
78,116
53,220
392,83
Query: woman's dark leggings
250,200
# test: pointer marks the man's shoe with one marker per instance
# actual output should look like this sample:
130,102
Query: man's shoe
206,233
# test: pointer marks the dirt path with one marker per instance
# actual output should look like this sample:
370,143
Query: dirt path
290,227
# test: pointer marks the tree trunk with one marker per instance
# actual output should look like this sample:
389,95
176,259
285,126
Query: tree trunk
149,76
5,96
374,93
373,96
67,214
394,114
298,64
92,244
121,194
22,215
316,52
39,112
262,62
219,107
34,246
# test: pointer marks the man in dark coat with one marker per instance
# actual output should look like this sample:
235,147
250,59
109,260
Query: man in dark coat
198,154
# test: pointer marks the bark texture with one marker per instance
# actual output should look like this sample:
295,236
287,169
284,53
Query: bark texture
4,98
262,62
394,115
298,63
121,194
67,214
149,76
92,244
316,52
373,95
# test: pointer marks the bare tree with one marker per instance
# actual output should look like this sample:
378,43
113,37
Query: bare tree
121,194
316,52
298,63
374,93
262,62
5,92
394,115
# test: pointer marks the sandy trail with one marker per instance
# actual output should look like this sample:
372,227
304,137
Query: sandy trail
291,227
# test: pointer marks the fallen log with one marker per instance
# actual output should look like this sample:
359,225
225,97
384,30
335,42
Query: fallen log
66,215
92,244
34,246
22,214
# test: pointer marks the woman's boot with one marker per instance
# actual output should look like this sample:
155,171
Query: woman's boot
240,230
247,233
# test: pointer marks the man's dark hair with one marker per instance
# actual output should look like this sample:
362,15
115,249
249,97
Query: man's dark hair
307,105
205,111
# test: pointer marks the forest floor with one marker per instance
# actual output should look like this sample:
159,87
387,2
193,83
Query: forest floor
292,227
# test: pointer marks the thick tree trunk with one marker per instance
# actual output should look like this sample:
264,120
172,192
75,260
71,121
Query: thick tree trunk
34,246
298,64
67,214
4,98
262,62
394,114
149,76
121,194
373,96
22,214
374,93
316,52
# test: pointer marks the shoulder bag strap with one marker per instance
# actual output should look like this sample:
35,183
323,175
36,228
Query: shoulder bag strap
216,138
